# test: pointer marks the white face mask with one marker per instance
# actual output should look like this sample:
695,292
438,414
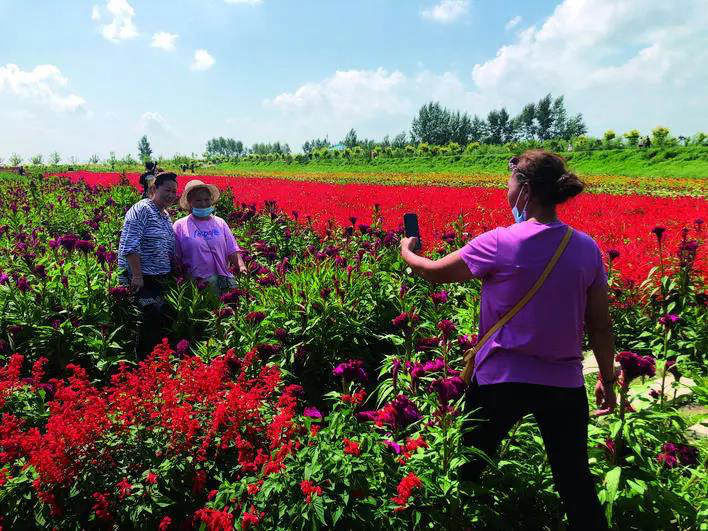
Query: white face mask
519,216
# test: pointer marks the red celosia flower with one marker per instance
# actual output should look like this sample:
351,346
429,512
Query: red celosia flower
255,317
251,518
351,447
405,490
124,488
101,506
151,478
308,489
165,523
356,398
215,520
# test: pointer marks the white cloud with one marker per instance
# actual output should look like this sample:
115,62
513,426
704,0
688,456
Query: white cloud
248,2
622,63
164,40
121,26
44,85
154,124
202,60
512,23
446,11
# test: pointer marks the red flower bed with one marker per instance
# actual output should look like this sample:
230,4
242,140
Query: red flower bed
617,222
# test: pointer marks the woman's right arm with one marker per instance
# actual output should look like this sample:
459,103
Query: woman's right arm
597,323
133,230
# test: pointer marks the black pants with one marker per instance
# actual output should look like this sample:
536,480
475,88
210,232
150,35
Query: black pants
152,305
562,416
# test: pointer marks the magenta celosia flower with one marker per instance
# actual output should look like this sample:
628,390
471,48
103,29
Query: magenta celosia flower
447,328
634,365
182,347
255,317
396,366
425,344
405,319
393,445
669,320
119,292
466,341
312,412
667,460
448,389
225,312
22,284
350,371
439,297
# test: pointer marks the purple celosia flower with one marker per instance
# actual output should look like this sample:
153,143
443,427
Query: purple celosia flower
280,334
658,232
404,319
4,278
352,370
22,284
182,347
85,246
68,241
312,412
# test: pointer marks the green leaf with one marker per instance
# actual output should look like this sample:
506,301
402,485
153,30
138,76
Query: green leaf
612,480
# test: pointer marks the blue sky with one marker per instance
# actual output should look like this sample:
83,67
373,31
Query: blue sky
90,77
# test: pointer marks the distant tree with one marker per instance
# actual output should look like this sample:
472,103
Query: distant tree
544,118
609,136
399,140
575,127
478,129
55,158
15,160
128,159
526,121
495,131
224,147
560,118
1,161
459,128
660,135
632,137
699,139
112,159
94,159
314,144
351,140
37,159
385,142
431,126
144,149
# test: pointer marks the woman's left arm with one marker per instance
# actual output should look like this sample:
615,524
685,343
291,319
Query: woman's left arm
450,268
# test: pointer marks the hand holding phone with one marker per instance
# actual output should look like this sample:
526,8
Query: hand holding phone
411,229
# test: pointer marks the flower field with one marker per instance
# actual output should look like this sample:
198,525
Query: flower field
617,222
324,391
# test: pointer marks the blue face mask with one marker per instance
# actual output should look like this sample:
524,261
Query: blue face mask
519,216
203,212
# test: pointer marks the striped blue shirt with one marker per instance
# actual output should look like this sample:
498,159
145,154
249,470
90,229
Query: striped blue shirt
148,233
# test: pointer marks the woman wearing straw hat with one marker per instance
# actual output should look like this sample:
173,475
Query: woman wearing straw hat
205,245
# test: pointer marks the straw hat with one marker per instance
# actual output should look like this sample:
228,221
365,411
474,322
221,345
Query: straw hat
193,185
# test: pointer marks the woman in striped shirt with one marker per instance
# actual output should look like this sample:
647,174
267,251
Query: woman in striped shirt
145,256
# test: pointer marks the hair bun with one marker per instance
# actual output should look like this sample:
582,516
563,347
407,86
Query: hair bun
568,185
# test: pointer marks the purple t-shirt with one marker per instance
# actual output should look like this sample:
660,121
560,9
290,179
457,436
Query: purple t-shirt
542,343
203,245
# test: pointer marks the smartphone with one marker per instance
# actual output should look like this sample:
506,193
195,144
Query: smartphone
410,225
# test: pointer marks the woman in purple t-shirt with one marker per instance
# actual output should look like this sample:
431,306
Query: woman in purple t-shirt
205,246
533,364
